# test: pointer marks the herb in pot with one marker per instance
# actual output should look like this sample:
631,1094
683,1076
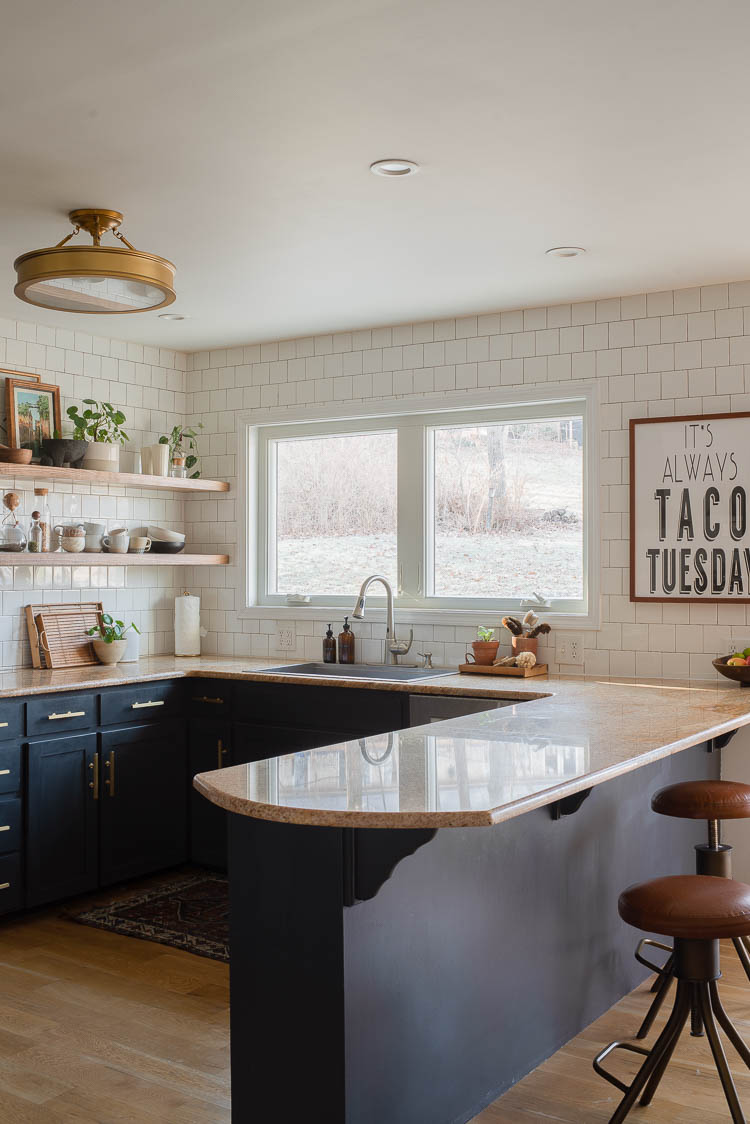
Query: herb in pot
101,422
110,630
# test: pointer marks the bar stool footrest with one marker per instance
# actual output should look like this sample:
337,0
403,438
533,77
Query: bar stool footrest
599,1068
647,942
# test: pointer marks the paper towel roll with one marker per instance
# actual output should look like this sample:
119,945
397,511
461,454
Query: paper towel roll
187,625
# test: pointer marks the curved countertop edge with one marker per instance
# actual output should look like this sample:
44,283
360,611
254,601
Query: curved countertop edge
482,817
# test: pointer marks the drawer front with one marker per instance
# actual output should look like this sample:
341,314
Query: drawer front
11,719
10,826
210,698
10,768
11,889
146,702
57,714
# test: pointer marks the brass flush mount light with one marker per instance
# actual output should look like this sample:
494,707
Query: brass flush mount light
95,279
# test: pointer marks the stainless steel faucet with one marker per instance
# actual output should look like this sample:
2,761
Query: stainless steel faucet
393,647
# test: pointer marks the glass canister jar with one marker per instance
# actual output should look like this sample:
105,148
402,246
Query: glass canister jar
12,534
44,519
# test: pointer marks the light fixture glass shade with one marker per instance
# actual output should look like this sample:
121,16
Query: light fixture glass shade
95,279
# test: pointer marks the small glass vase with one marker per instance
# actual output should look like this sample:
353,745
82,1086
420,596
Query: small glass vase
179,469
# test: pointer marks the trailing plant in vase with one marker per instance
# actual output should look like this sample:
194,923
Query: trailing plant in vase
182,445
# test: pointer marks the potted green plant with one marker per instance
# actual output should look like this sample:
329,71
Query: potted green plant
101,425
484,647
111,641
183,450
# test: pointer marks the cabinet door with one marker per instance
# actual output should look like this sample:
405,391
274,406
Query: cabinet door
61,841
209,747
143,806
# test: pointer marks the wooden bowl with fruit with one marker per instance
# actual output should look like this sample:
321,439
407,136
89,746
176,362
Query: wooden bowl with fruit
736,667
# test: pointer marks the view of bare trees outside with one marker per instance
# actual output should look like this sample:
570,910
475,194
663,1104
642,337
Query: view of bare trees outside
335,512
508,511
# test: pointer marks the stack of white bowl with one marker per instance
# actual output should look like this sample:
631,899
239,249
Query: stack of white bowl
165,541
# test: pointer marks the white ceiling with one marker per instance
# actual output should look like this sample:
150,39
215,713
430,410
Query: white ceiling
236,136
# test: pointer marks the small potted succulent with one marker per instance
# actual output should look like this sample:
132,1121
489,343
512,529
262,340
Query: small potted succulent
484,647
111,641
525,633
101,425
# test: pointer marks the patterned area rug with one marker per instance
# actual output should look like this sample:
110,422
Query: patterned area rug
189,911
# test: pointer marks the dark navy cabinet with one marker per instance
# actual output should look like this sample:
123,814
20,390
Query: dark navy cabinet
62,795
143,806
96,786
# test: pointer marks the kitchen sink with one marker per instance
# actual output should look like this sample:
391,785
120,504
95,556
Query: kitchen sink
388,672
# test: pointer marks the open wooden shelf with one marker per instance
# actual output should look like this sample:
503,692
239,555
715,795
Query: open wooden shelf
63,558
125,479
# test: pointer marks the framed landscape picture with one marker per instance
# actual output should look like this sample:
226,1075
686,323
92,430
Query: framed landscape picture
33,413
689,479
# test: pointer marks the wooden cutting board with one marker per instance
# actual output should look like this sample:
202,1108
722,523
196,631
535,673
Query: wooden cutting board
57,633
490,669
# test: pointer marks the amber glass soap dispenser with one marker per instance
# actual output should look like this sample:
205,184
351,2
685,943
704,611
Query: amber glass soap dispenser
329,647
346,644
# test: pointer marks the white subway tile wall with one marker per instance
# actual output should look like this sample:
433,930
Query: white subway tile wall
682,352
149,385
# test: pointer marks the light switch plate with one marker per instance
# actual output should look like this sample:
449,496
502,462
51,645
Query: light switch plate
286,640
569,647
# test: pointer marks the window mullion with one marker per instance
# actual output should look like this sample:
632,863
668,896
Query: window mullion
411,473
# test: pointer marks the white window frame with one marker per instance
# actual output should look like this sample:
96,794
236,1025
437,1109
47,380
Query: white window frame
256,429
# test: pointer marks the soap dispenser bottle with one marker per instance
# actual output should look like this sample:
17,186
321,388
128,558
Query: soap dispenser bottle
346,644
329,647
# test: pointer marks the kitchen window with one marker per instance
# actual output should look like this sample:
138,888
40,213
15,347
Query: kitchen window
474,509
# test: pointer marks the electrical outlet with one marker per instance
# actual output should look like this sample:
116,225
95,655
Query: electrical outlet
569,647
286,640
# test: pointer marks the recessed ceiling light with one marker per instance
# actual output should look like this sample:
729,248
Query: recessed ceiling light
394,168
171,316
565,252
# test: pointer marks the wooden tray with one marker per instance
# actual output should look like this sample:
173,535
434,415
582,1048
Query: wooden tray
489,669
57,633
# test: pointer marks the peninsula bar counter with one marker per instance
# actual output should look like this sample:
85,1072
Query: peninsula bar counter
392,963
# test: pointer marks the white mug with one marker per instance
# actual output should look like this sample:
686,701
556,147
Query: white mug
94,543
118,541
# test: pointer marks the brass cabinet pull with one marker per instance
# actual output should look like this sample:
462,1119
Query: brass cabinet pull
141,706
3,725
68,714
4,885
110,764
221,754
208,699
94,784
4,772
5,827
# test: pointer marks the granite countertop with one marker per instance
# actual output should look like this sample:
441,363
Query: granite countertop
479,770
561,735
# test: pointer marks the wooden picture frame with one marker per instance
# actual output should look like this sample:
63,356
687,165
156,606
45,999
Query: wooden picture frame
20,374
690,509
29,424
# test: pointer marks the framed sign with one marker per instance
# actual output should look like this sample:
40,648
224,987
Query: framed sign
689,479
33,413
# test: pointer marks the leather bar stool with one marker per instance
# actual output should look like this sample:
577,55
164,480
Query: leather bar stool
712,801
697,911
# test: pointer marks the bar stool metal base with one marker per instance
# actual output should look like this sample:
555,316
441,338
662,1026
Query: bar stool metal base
714,858
696,967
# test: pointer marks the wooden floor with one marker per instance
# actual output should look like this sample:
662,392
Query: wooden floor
102,1029
565,1089
96,1028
